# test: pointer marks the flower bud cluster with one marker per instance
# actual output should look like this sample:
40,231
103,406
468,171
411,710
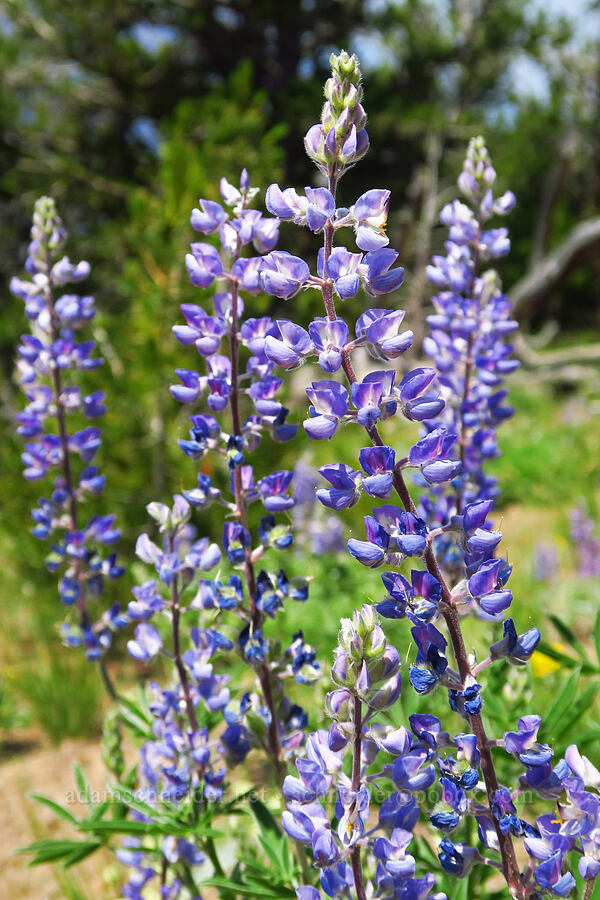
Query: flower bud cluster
340,139
49,357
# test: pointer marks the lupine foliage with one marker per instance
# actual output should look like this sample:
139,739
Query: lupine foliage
358,792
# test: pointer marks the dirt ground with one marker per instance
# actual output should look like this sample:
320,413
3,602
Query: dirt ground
48,770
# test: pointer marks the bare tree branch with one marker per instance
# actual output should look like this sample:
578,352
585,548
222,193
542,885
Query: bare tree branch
531,359
553,268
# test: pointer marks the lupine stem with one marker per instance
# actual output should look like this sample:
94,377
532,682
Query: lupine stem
106,679
355,858
181,670
589,888
510,866
257,618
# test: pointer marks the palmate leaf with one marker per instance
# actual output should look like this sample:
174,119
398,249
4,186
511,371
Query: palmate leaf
136,717
279,854
83,786
77,856
56,808
264,817
130,826
52,851
253,888
573,715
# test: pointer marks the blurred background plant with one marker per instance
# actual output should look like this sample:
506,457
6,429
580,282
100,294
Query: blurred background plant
126,112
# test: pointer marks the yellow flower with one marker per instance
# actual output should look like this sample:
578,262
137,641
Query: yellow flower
544,665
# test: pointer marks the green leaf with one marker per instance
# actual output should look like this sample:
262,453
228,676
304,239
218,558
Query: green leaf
56,808
561,704
460,891
253,864
85,850
98,813
83,786
492,707
567,635
574,713
133,802
51,851
264,817
252,888
129,826
274,855
592,734
597,635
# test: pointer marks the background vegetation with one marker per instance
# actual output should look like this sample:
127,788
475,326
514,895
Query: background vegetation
127,112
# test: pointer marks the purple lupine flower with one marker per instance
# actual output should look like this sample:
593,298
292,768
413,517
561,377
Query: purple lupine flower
549,875
380,328
209,217
282,274
406,531
329,403
273,490
313,210
430,455
457,859
292,346
344,268
380,277
147,643
345,486
517,649
370,216
371,552
203,264
248,271
378,463
329,338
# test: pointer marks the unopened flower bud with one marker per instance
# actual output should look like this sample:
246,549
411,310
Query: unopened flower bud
365,620
388,694
343,672
256,723
374,643
336,739
386,666
339,704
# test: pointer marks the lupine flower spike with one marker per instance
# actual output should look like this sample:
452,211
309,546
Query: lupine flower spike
50,358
